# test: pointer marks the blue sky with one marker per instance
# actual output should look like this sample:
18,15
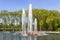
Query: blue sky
14,5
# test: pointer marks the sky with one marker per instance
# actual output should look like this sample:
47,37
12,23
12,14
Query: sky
15,5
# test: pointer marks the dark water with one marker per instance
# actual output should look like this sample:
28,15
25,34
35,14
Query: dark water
11,36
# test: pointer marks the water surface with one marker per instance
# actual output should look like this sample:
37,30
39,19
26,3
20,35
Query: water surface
12,36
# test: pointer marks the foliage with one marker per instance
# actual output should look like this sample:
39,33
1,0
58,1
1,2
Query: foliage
46,19
58,29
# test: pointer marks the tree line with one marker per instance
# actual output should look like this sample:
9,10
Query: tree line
47,20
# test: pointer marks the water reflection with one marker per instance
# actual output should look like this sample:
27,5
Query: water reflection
29,38
35,37
10,36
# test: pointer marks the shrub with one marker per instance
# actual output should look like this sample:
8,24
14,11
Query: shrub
58,29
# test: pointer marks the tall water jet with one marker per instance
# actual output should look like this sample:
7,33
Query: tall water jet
35,24
30,18
23,23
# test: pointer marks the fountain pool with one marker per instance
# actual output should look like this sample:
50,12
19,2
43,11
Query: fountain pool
10,36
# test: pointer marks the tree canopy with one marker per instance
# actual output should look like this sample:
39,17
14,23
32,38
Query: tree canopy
47,20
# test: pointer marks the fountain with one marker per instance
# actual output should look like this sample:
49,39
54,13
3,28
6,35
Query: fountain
30,19
35,25
23,23
30,22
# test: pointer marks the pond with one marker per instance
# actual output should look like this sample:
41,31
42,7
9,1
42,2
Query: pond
11,36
